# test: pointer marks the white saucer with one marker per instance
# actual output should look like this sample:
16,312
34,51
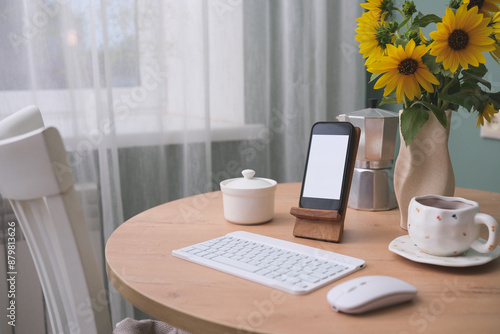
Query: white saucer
406,248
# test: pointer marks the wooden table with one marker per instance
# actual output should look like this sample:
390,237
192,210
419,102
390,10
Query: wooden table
202,300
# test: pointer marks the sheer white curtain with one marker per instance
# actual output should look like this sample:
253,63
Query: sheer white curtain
162,99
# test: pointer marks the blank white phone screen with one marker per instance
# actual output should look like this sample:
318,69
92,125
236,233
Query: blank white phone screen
325,168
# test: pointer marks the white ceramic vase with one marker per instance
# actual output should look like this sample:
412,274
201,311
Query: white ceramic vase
424,167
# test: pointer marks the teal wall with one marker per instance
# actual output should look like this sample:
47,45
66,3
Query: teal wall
476,160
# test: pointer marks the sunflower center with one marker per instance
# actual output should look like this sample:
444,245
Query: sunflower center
408,66
478,3
458,39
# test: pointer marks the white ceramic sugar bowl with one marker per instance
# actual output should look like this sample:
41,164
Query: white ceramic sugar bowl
248,199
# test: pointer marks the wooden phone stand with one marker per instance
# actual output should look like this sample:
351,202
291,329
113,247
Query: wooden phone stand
326,225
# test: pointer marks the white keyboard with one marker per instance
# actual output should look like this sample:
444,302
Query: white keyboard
280,264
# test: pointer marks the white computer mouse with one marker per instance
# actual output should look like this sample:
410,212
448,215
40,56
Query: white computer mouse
366,293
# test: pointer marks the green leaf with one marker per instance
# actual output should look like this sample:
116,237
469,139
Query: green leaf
400,41
431,63
478,71
471,101
438,112
453,98
412,120
389,100
469,85
454,88
468,76
495,99
468,100
374,76
419,14
447,73
402,24
425,20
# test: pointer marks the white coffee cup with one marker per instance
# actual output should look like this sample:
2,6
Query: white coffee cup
449,226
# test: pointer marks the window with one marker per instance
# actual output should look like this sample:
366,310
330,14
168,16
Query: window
149,71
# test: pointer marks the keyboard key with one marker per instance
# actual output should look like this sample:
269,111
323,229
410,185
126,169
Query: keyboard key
287,266
236,264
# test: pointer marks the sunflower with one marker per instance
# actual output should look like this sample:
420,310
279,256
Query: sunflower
496,25
403,69
495,54
485,7
379,7
461,39
371,36
422,37
488,112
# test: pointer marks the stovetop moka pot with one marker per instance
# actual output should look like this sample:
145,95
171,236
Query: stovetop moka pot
372,187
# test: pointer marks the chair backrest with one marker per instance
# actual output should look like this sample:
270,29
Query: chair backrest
25,120
38,181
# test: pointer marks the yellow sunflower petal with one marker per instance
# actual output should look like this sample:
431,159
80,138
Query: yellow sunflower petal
487,7
414,87
410,46
451,48
424,82
420,51
488,112
448,19
399,92
467,19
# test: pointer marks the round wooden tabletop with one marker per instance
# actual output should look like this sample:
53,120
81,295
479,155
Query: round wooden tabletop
141,267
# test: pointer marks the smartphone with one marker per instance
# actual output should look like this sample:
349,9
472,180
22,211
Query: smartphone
329,158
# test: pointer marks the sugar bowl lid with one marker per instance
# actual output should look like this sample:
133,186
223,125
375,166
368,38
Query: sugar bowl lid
248,181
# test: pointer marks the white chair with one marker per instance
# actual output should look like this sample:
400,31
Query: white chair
38,181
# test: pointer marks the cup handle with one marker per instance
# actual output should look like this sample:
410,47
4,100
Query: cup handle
493,229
